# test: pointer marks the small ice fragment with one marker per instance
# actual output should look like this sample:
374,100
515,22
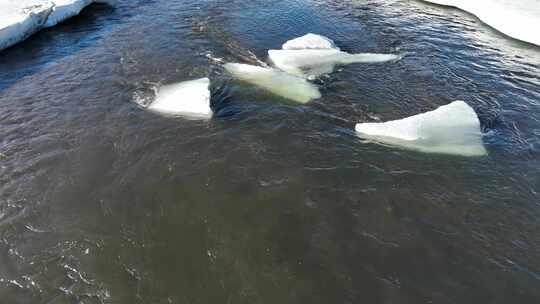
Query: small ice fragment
275,81
188,98
310,41
450,129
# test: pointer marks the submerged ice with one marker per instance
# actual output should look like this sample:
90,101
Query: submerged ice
21,18
188,98
275,81
450,129
316,62
519,19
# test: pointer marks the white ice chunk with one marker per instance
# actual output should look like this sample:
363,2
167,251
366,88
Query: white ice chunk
188,98
310,41
306,63
450,129
64,9
275,81
21,18
519,19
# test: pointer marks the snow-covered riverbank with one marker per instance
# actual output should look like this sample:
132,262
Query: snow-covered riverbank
517,19
19,19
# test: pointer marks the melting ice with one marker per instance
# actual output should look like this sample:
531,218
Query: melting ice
275,81
310,41
188,98
314,55
450,129
312,62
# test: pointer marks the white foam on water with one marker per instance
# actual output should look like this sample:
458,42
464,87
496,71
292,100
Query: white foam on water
312,62
188,98
275,81
310,41
449,129
519,19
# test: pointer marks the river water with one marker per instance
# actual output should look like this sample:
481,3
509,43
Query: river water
269,201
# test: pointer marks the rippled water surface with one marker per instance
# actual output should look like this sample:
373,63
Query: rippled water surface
270,201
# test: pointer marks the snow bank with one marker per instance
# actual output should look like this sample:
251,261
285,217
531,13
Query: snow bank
64,9
275,81
189,98
310,41
519,19
313,55
450,129
21,18
316,62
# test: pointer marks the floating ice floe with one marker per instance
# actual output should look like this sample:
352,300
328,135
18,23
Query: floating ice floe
188,98
519,19
275,81
21,18
450,129
313,55
310,41
316,62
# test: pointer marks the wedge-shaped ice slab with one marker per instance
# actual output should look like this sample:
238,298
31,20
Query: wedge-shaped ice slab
519,19
189,98
310,41
450,129
306,63
21,18
64,9
275,81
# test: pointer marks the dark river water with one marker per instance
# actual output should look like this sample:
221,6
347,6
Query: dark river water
269,201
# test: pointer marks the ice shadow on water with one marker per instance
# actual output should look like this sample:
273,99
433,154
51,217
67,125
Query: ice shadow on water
49,45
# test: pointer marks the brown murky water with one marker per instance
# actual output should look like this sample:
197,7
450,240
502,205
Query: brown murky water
270,201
